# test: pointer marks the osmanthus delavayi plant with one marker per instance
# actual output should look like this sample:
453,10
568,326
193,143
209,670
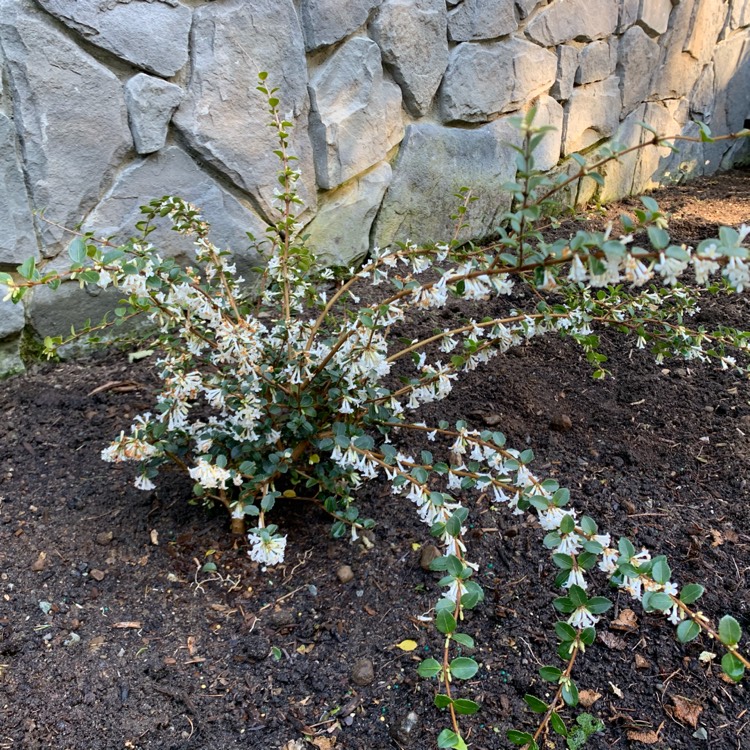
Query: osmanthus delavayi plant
292,387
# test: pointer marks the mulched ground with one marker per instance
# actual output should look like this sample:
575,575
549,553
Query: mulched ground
112,637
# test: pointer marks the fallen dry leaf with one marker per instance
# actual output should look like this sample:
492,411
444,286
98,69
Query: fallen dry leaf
686,711
731,536
407,645
305,649
40,562
717,537
323,743
154,537
641,662
136,624
191,645
616,690
626,621
647,738
587,698
612,641
294,745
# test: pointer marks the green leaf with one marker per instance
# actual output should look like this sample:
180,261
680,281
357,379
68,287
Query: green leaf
567,525
465,706
27,268
448,738
429,668
657,601
77,250
463,668
733,667
687,631
730,631
577,596
598,604
659,237
521,738
570,693
445,622
660,571
454,566
536,705
550,674
442,701
691,593
558,725
564,631
463,639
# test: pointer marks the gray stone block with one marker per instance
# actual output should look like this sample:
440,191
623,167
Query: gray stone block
638,60
17,237
223,117
411,35
433,163
654,15
356,113
565,20
483,80
151,104
11,316
473,20
567,64
151,35
591,114
70,115
596,62
548,113
326,22
340,233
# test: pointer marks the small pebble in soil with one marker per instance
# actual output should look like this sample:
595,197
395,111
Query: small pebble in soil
429,553
104,538
344,573
405,731
363,672
561,422
96,574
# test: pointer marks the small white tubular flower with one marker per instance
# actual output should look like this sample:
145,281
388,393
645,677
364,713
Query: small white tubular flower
608,563
670,269
705,264
636,271
577,271
209,476
129,448
576,579
582,618
551,518
737,273
549,283
267,549
142,482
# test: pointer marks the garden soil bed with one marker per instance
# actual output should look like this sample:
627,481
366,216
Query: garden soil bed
112,637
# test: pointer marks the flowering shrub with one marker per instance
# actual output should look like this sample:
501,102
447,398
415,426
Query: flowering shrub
287,388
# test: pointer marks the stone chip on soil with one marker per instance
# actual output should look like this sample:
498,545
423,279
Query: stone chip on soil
344,573
363,672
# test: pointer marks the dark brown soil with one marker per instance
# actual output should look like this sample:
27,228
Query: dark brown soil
112,637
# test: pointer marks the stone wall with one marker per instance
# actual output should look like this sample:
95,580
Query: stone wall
105,104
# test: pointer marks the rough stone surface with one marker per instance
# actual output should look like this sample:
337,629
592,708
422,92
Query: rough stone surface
619,174
70,115
548,113
356,116
473,20
708,22
151,104
628,14
664,117
638,56
596,62
484,80
223,117
592,113
654,15
17,239
567,64
434,162
172,172
10,357
151,35
328,21
11,317
678,70
412,39
739,14
526,6
703,98
340,233
565,20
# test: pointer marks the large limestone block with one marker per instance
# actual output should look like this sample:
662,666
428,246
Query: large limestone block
11,317
223,117
328,21
17,238
565,20
596,62
151,35
592,113
618,175
10,357
567,65
356,113
433,164
340,233
739,15
525,7
412,39
677,70
708,22
483,80
70,115
654,162
172,172
151,104
654,15
638,55
549,113
628,14
473,20
703,98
